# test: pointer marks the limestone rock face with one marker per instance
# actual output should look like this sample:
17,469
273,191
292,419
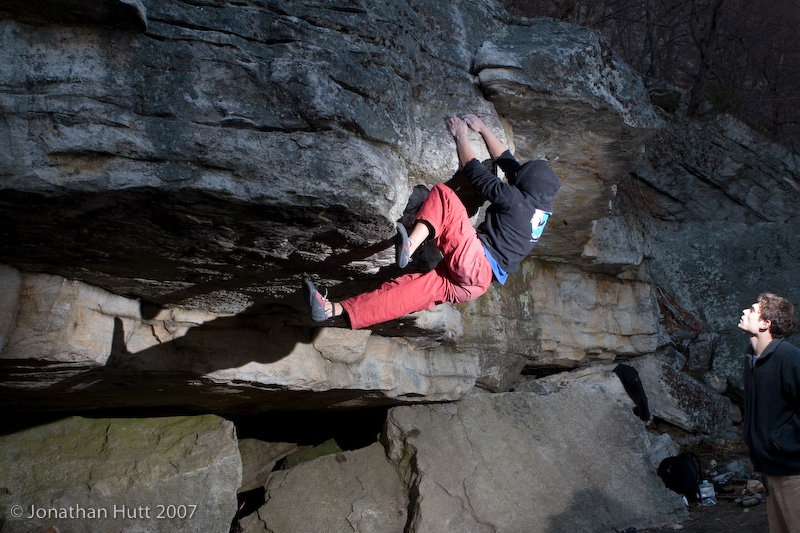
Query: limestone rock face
465,478
227,148
543,76
556,315
699,172
199,160
196,161
100,475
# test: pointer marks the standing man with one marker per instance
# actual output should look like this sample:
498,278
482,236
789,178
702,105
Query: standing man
772,406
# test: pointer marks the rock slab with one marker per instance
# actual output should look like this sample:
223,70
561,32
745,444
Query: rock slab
124,475
357,491
498,463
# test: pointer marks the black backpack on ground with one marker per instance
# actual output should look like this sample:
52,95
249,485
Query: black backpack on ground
681,473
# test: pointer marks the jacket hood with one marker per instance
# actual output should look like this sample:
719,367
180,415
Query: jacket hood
538,180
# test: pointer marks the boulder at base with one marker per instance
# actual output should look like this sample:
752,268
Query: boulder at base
124,475
351,492
575,460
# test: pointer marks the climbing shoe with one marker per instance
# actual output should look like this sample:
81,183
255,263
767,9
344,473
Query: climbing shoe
401,246
316,302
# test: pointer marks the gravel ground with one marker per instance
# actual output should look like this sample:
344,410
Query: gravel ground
726,516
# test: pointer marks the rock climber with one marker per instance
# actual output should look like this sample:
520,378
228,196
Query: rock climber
472,258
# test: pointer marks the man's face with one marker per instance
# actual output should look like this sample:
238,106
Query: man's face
751,320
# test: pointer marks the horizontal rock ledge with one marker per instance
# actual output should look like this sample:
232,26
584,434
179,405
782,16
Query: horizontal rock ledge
65,345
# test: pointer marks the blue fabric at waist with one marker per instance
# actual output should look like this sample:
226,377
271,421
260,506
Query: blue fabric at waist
499,274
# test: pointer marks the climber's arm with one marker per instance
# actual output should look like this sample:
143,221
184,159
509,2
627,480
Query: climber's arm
458,129
493,144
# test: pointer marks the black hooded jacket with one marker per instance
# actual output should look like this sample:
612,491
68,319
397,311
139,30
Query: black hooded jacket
772,408
512,225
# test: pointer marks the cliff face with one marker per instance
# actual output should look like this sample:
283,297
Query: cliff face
205,165
170,171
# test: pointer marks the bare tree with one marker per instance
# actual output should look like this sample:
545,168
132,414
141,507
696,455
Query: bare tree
706,39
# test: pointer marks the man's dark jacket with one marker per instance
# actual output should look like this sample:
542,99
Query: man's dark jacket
772,408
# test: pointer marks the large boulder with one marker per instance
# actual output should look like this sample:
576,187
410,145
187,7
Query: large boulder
350,492
127,475
501,462
227,149
211,162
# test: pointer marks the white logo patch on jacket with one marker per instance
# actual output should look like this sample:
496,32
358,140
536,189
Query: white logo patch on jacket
538,222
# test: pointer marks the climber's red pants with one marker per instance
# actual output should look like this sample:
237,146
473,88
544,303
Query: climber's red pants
462,275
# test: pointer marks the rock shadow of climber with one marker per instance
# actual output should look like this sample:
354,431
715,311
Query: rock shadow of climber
591,510
633,386
222,343
165,373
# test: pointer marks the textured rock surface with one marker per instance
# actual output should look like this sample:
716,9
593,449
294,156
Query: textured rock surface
465,478
561,317
688,404
717,206
351,492
100,475
673,396
201,168
228,148
568,99
215,158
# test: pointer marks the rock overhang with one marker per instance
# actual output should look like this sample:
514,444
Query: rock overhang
222,165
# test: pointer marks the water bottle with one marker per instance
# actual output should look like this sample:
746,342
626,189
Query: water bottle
707,496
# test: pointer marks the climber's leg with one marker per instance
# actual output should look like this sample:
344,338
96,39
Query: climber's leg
463,274
415,292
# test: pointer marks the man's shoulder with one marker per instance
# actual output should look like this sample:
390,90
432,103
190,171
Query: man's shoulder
789,351
788,346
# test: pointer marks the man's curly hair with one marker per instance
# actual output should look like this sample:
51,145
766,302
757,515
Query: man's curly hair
780,312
